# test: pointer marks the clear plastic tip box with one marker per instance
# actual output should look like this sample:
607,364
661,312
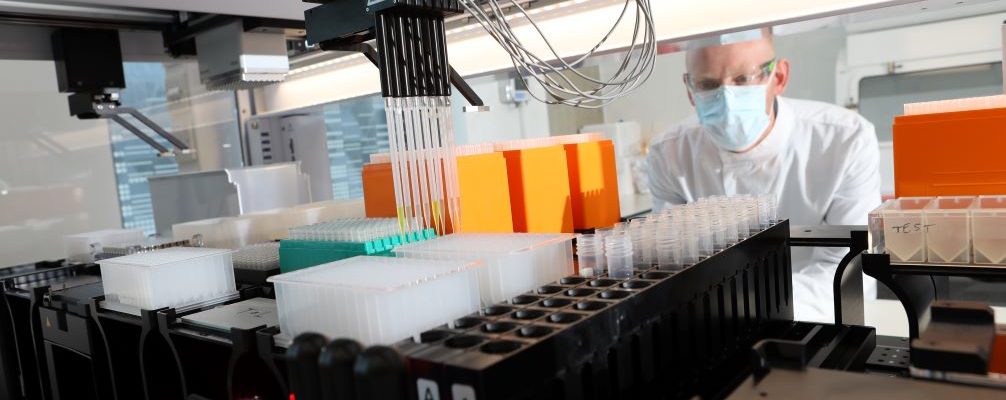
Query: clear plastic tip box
177,277
83,247
947,230
514,263
375,300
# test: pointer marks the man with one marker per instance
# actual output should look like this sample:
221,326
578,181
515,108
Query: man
820,161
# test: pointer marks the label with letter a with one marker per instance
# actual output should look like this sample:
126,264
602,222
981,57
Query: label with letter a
428,390
462,392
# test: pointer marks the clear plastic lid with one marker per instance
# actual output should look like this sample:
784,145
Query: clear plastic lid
374,273
165,256
486,243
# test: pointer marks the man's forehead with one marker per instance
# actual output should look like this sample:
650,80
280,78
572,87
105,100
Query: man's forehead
737,57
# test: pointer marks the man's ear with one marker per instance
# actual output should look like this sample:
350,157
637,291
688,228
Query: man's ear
781,76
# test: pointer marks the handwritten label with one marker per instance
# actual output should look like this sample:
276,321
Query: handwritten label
912,227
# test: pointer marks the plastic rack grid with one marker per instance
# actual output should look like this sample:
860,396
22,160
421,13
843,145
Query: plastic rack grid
256,263
376,300
513,262
942,230
142,246
326,242
583,334
177,277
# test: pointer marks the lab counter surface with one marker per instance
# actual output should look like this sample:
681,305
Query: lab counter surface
635,204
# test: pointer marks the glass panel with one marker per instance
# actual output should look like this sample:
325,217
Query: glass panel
55,170
356,129
134,160
881,98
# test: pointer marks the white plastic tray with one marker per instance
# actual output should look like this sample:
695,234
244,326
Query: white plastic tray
375,300
988,228
514,263
942,230
176,277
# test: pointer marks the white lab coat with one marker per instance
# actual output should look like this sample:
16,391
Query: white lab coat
821,161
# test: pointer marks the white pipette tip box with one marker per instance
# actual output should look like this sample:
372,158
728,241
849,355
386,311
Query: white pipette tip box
265,226
514,263
226,232
328,210
257,257
82,247
956,105
178,277
375,300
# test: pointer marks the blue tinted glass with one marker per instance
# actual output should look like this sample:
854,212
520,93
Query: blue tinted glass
356,129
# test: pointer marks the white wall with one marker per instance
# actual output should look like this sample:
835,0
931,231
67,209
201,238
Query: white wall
813,58
56,174
656,105
503,121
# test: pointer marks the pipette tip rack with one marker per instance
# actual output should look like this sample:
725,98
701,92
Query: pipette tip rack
666,329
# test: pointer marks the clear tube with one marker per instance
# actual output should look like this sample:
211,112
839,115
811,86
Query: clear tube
451,164
439,195
635,233
418,157
618,251
430,157
395,132
589,255
411,146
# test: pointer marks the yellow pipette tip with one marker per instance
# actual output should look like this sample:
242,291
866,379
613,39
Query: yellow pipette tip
401,219
436,221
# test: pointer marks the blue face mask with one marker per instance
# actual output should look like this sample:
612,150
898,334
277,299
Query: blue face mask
735,116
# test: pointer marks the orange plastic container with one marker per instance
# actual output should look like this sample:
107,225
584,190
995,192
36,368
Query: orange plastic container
485,194
378,191
997,363
593,183
950,154
483,186
540,190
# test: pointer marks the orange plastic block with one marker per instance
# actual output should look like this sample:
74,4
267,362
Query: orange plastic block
482,184
539,190
378,191
950,154
485,194
997,363
593,183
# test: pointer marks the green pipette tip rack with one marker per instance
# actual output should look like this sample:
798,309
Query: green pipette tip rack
300,254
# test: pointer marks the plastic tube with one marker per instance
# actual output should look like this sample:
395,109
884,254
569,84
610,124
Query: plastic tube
589,255
450,164
618,251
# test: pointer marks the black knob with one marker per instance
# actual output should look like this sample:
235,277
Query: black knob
380,374
302,364
336,361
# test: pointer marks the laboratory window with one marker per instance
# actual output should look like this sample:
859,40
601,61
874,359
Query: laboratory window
881,98
355,129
